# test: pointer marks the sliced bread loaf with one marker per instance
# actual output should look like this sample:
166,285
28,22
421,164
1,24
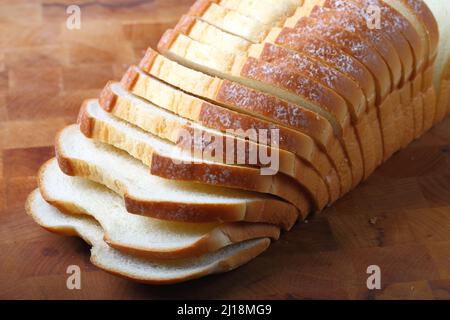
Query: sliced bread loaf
356,24
135,268
151,196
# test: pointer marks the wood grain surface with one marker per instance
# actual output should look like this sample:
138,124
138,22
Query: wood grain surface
398,220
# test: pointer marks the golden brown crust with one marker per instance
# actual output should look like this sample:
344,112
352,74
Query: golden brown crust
238,97
107,97
129,79
374,37
421,10
406,100
148,60
298,84
394,19
353,45
168,38
244,98
185,24
238,258
402,47
85,122
331,55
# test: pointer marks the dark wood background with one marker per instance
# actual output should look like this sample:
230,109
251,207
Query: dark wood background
399,219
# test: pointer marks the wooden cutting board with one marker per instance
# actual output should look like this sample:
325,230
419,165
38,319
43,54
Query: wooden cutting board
399,220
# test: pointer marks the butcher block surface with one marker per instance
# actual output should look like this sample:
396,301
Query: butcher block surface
398,220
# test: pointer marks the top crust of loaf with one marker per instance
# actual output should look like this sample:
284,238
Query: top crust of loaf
421,9
396,38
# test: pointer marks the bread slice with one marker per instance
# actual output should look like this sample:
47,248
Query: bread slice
132,267
192,136
168,161
246,100
344,40
271,78
151,196
270,12
229,20
142,236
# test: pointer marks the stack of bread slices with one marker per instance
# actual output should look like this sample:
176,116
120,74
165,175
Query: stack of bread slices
337,87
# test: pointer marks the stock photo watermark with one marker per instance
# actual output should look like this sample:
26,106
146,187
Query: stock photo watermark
373,17
73,282
73,21
374,280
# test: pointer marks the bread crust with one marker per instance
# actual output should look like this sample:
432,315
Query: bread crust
350,22
300,62
423,12
394,19
400,44
327,54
